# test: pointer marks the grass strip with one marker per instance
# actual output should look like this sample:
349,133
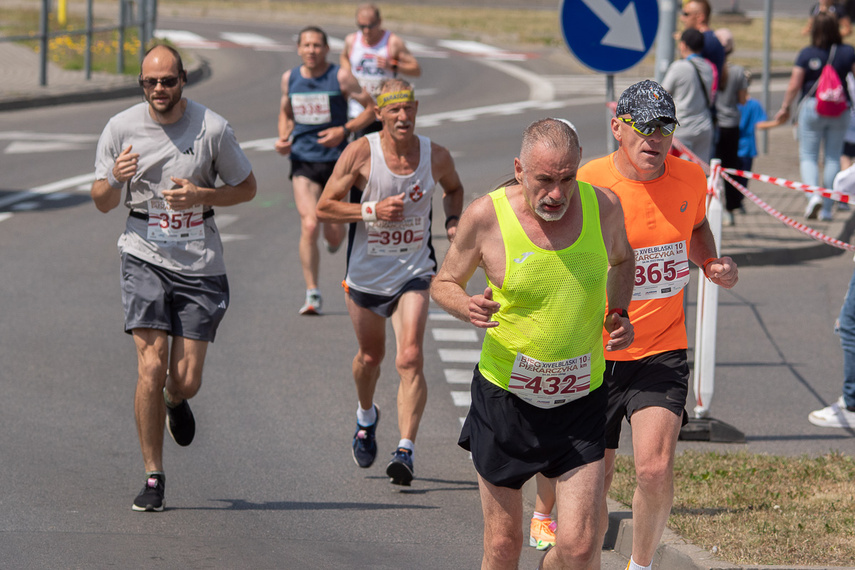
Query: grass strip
760,509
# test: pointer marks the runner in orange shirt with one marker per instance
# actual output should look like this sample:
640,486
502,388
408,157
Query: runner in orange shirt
663,202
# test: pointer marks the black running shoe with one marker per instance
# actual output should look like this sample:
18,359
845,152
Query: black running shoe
151,496
364,444
400,469
180,423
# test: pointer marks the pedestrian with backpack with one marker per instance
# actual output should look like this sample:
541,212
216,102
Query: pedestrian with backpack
818,78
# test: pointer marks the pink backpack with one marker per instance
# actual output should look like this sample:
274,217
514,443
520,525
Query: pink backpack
830,97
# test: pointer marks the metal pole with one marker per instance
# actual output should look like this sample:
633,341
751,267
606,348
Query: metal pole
120,56
767,67
141,32
87,58
665,37
43,38
611,143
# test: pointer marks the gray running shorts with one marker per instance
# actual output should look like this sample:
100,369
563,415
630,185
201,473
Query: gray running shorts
157,298
385,305
660,380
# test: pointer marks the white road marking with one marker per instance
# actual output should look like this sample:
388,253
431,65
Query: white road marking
47,189
184,38
250,40
440,316
458,376
461,399
470,356
455,335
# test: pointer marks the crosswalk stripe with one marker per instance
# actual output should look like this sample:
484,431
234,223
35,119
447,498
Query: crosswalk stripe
457,376
454,335
461,399
459,355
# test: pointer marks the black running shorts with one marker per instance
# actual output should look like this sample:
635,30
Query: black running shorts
512,440
661,380
157,298
384,305
317,172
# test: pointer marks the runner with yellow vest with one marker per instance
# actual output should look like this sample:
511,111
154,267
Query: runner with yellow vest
555,254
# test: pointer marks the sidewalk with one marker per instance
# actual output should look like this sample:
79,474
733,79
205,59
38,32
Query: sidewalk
755,239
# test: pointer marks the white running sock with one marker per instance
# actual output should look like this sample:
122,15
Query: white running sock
366,418
633,565
540,516
407,444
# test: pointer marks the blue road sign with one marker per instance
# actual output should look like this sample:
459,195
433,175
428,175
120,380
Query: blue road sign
609,36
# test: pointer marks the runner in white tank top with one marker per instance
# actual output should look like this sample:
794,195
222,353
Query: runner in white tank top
374,55
390,177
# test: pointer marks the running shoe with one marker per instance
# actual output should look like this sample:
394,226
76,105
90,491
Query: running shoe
542,534
313,303
151,496
400,469
180,422
813,207
364,444
837,415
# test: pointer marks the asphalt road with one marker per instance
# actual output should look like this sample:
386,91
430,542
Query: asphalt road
269,482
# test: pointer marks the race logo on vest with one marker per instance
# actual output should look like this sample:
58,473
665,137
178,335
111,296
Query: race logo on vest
416,191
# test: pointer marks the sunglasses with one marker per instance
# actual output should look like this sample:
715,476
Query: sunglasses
151,83
367,26
648,128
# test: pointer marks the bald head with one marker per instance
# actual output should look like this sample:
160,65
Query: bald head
551,134
165,55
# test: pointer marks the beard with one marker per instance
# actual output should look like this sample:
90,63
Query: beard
550,215
162,106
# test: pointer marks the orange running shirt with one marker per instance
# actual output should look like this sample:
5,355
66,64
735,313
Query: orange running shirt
660,216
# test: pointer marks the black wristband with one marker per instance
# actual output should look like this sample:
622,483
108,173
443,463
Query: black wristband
450,219
346,131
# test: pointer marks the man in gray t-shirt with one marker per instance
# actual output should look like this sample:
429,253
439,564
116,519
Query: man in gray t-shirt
164,157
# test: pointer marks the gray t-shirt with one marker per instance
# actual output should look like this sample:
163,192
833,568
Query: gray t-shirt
200,147
727,99
681,81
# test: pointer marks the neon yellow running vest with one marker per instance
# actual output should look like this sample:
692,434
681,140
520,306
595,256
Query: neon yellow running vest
552,302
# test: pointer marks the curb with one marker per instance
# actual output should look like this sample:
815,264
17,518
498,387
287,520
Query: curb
87,93
674,553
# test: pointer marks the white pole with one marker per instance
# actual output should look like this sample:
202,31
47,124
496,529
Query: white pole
707,312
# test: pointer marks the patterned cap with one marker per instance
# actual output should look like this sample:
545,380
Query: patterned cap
647,101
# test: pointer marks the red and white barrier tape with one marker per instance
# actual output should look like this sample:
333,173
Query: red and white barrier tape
807,188
808,231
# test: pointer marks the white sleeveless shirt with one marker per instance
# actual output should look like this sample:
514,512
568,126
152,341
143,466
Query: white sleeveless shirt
383,256
363,63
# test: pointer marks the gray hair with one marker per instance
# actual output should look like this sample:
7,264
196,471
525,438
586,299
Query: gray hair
553,133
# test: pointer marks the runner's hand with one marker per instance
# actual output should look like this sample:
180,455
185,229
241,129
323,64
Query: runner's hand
183,197
482,308
126,165
621,332
391,209
331,137
722,272
283,146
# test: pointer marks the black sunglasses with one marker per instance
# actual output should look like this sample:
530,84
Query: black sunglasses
151,83
367,26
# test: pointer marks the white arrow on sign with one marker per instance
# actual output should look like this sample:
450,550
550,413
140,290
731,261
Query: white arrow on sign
624,30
